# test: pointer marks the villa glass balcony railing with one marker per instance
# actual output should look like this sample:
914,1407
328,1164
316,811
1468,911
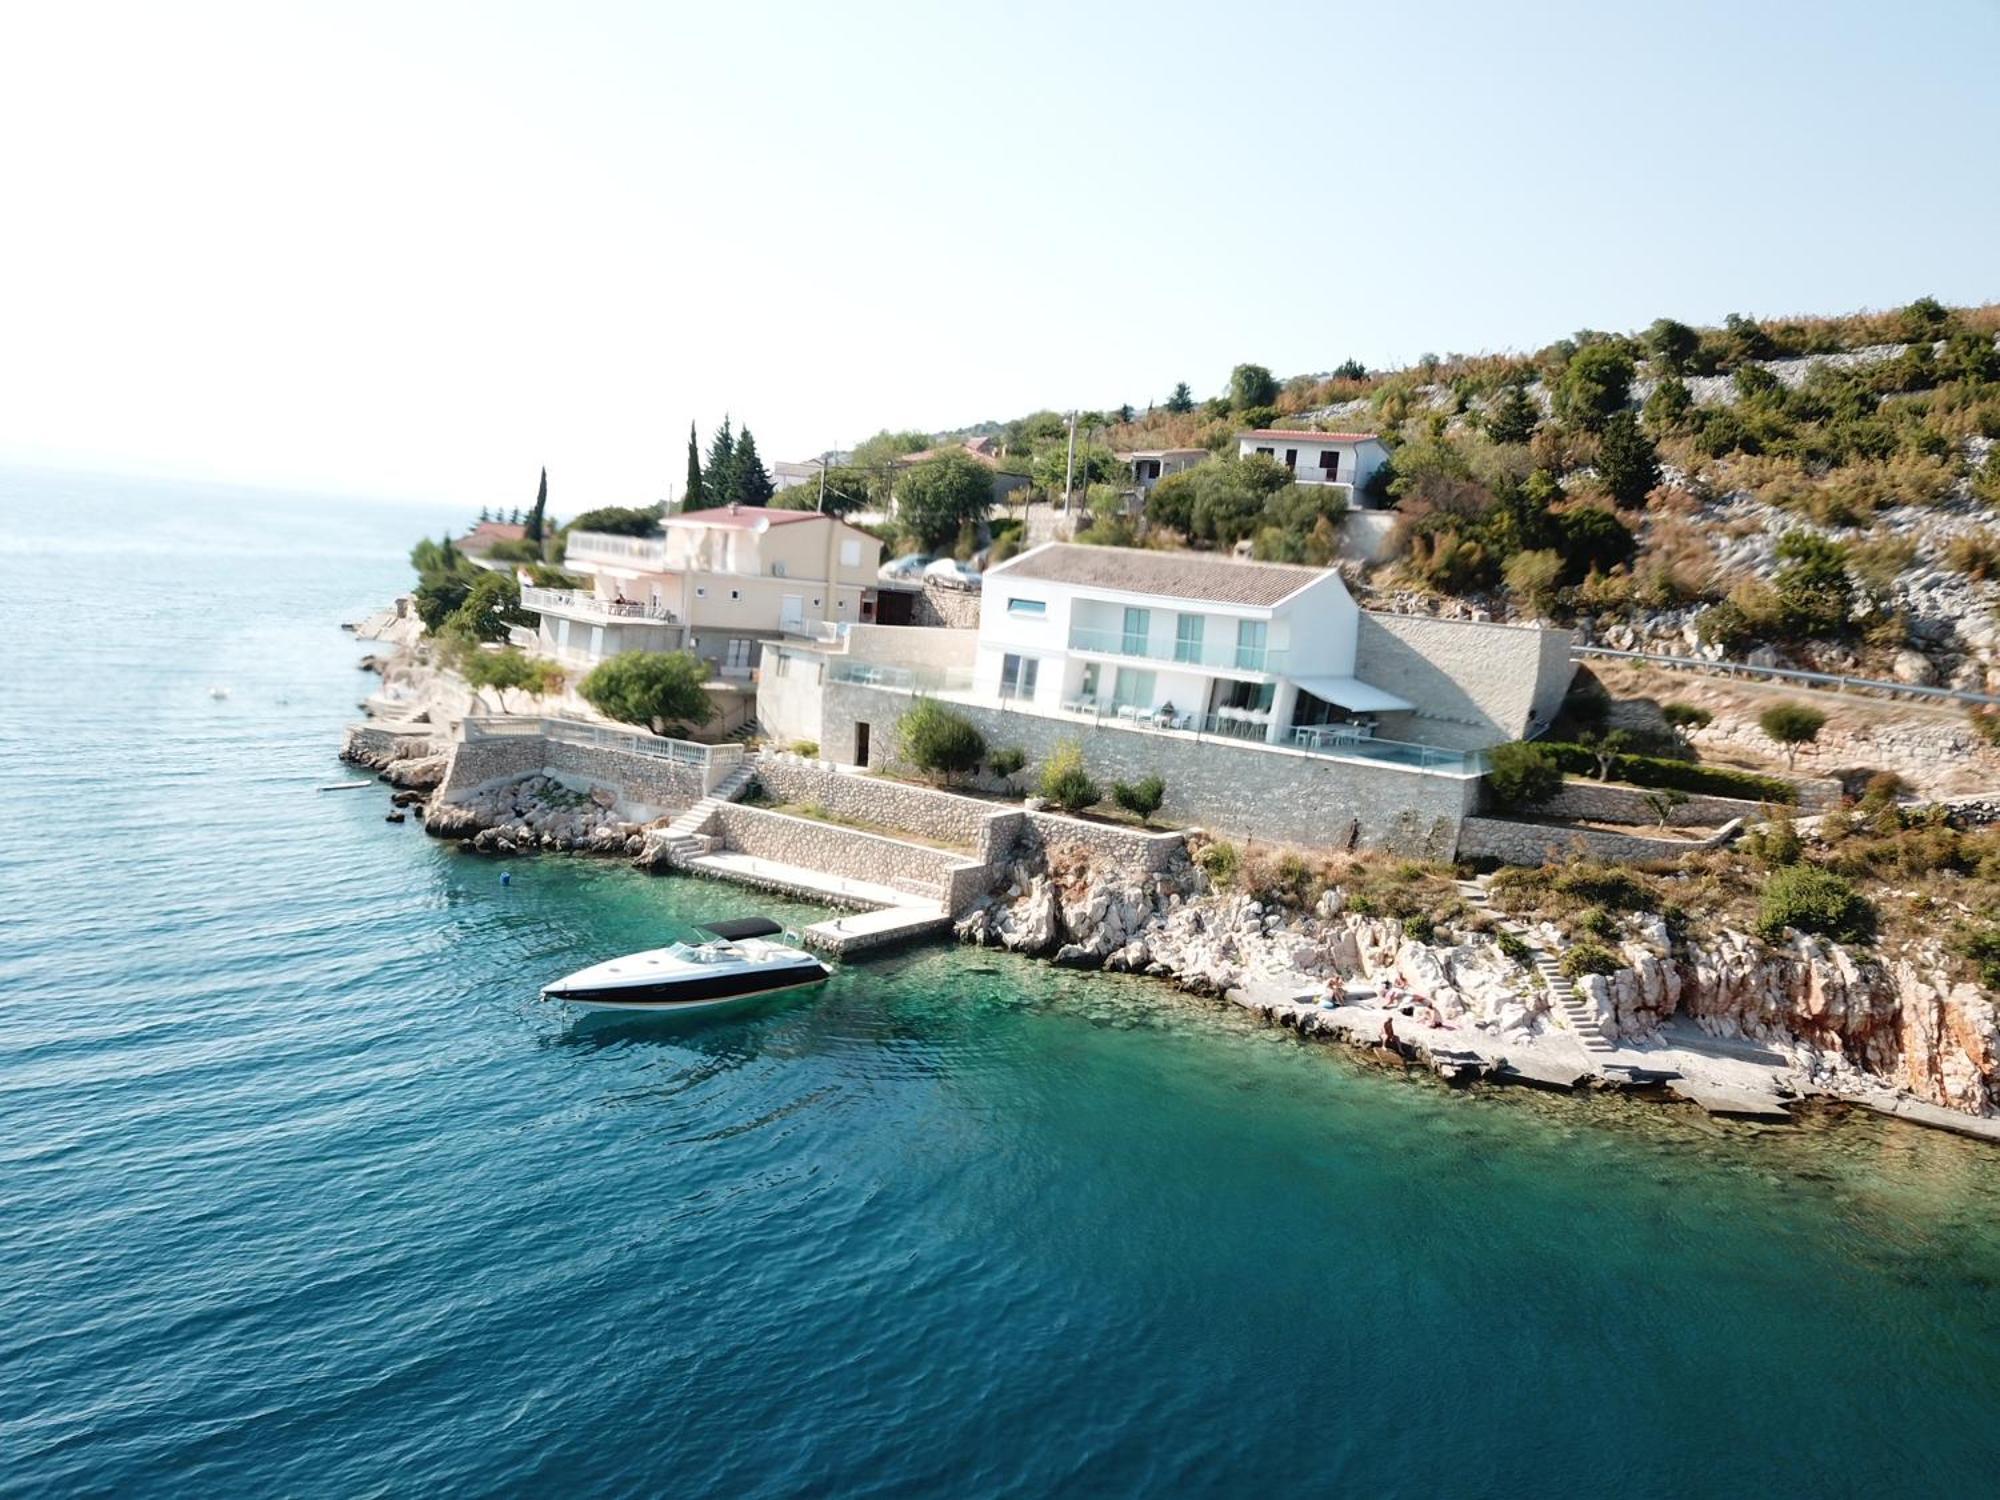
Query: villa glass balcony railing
585,604
902,679
1222,656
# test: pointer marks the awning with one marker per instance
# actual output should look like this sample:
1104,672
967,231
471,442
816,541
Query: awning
1353,695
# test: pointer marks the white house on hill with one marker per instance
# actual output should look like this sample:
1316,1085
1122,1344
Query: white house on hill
1349,458
1182,640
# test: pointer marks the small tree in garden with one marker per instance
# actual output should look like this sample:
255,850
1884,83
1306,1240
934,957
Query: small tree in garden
651,688
1605,749
1141,798
1006,764
1523,774
1685,718
1792,725
1064,780
943,745
1664,802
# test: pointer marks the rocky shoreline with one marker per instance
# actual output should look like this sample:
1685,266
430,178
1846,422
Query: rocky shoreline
1832,1024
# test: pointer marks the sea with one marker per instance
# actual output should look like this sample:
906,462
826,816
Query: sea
305,1192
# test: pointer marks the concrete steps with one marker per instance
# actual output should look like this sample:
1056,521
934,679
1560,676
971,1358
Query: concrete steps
1577,1013
684,839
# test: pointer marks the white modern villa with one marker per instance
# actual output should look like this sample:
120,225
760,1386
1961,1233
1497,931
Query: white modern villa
1349,458
1180,640
1270,703
714,582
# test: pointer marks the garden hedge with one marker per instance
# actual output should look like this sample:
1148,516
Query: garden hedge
1678,775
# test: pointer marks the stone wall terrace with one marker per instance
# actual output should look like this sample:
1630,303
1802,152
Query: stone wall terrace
1240,791
1518,843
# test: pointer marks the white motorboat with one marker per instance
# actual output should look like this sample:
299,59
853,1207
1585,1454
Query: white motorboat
743,959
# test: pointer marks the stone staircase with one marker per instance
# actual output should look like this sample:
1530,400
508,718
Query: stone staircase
1577,1013
684,839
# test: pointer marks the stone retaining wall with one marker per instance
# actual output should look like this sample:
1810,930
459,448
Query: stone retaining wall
1518,843
1475,684
644,785
1134,851
1240,791
833,850
938,816
941,606
1601,802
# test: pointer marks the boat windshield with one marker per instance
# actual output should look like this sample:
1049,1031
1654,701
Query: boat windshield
705,953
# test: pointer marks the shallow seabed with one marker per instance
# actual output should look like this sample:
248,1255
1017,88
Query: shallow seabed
306,1192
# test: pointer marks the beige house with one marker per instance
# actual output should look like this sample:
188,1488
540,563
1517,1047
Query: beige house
714,582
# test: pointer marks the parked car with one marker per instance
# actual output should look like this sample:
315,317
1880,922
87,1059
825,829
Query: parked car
904,567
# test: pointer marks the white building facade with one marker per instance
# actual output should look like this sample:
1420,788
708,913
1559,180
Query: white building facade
1257,651
1344,458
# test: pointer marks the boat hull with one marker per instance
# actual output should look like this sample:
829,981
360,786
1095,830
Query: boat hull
690,994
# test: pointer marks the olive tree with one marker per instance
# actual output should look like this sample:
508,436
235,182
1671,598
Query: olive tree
651,688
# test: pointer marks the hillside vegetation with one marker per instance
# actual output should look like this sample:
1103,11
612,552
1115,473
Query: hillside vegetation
1818,489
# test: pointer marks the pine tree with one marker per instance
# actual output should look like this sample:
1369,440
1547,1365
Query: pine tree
718,480
1627,460
1182,400
691,497
1514,416
485,515
753,482
534,525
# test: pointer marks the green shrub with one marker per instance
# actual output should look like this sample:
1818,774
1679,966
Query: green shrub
1512,947
1982,946
1006,764
807,748
943,745
1776,843
1220,862
1595,921
1064,780
1792,725
1141,798
1808,899
1686,776
1584,958
1523,774
1419,928
1686,715
659,689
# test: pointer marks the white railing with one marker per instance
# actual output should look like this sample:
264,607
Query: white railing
605,546
584,602
602,737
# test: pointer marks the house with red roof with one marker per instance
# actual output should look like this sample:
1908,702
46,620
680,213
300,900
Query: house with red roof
715,582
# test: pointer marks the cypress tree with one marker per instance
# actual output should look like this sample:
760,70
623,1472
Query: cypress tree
691,497
534,525
753,483
718,484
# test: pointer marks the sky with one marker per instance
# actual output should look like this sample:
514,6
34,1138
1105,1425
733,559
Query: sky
421,250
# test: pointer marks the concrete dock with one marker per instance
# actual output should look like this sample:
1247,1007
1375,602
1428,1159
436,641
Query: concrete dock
883,917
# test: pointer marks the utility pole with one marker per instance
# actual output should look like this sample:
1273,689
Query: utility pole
824,460
1069,468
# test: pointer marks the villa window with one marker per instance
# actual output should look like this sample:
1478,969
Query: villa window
1250,645
1138,626
1291,458
1032,609
1268,452
1329,465
1250,697
1133,689
1018,674
736,593
1187,638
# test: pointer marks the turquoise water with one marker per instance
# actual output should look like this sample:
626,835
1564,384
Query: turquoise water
303,1191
